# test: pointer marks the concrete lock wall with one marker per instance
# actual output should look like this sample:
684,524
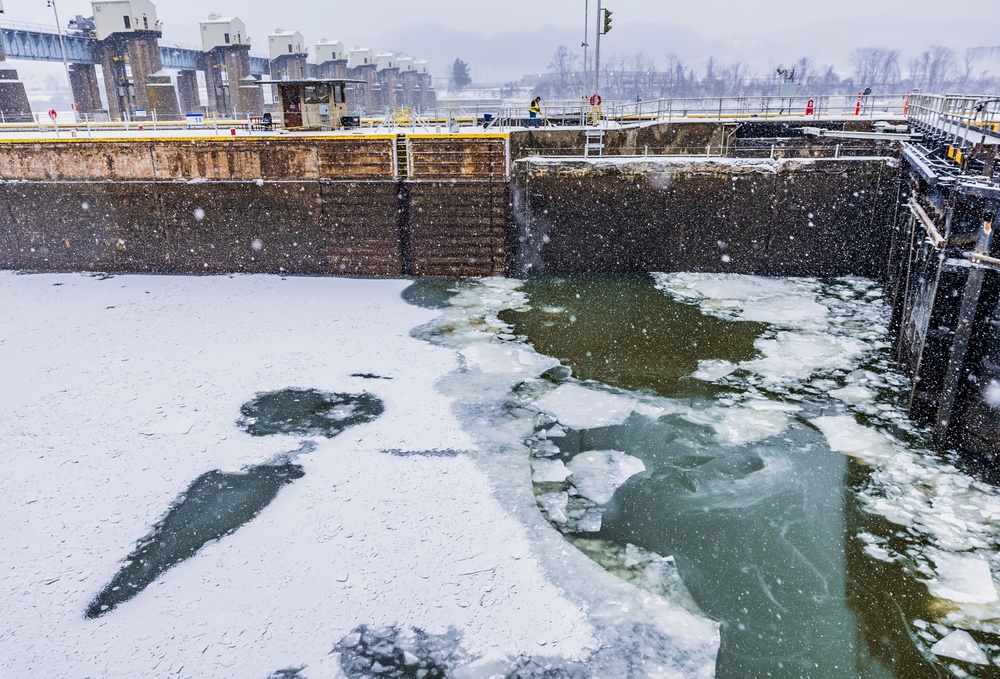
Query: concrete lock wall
779,218
317,205
430,205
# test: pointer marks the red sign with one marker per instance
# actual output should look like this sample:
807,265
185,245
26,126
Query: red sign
52,114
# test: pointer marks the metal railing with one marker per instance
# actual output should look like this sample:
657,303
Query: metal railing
961,121
611,114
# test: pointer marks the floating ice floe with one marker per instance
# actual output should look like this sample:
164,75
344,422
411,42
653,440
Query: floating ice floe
710,370
845,435
578,407
554,505
790,357
751,421
963,579
783,302
853,394
959,645
549,471
597,474
506,359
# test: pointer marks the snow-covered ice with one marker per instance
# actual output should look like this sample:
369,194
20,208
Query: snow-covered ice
119,391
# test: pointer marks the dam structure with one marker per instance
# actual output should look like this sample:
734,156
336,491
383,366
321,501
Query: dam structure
907,199
143,77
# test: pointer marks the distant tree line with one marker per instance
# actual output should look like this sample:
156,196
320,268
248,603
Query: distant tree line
630,77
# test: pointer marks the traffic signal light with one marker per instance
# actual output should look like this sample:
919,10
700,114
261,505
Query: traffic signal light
607,20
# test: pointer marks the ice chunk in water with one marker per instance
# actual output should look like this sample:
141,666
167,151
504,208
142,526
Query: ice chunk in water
597,474
582,408
853,395
963,578
793,356
960,645
554,505
746,425
847,436
791,311
713,369
499,358
548,471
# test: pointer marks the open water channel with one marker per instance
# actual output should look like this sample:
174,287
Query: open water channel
768,455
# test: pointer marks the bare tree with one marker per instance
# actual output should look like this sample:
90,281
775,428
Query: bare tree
875,67
828,81
563,67
935,69
804,69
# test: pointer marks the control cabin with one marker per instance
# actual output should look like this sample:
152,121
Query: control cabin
312,104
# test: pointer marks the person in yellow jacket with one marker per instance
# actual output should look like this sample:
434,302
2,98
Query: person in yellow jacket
534,109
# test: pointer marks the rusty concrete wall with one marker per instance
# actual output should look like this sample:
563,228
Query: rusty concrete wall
780,218
459,229
223,158
211,227
313,205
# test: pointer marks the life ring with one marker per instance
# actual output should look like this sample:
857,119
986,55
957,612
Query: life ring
595,100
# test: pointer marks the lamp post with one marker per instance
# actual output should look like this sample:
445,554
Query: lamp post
62,48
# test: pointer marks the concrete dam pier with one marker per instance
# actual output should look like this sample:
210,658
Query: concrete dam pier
914,211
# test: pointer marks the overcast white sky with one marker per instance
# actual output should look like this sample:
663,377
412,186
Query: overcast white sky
351,21
496,37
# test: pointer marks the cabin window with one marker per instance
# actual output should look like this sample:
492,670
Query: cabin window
316,94
225,36
128,23
145,23
289,49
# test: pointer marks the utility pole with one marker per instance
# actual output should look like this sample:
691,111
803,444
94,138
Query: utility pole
603,26
597,52
62,47
585,44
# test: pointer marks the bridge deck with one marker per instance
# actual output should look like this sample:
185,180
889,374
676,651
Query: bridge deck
37,44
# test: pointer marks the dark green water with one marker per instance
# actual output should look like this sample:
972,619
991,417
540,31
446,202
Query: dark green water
764,533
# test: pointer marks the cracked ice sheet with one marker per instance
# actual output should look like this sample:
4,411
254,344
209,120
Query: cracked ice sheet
118,392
